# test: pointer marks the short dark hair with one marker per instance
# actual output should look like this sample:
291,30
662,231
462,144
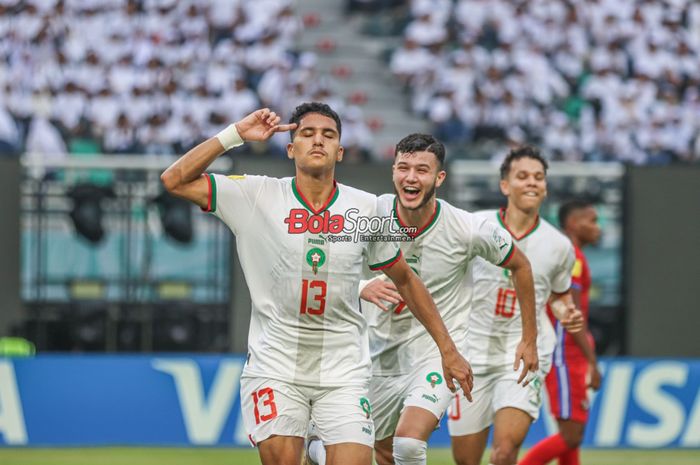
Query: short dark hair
570,206
524,151
313,107
421,143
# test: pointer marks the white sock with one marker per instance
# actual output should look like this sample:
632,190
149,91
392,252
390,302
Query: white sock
409,451
317,453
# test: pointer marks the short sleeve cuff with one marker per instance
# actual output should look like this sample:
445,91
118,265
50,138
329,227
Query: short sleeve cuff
386,264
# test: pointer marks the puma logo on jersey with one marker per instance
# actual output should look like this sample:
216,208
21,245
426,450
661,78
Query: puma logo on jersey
413,259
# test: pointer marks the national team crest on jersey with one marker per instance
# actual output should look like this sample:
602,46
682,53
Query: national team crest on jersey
434,378
315,258
366,407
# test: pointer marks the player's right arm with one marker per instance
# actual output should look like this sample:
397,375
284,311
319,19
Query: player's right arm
524,285
421,304
184,177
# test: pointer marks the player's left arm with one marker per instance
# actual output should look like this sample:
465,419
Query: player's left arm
524,285
421,304
580,338
594,375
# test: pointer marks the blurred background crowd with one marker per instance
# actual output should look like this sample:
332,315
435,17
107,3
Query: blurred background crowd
151,76
591,80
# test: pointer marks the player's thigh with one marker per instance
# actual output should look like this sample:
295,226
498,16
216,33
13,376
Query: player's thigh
386,395
468,449
281,450
348,453
343,415
464,417
273,408
510,426
507,393
426,401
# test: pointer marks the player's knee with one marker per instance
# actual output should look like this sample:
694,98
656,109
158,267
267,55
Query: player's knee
383,456
463,460
409,451
573,438
505,453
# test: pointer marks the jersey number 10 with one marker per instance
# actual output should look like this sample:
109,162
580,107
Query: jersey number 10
319,298
505,303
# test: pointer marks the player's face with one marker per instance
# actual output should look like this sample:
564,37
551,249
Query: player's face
587,228
416,175
316,143
526,184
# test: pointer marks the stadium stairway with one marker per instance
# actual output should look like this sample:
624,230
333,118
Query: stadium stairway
347,47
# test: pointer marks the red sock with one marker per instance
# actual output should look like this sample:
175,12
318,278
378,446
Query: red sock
570,457
545,451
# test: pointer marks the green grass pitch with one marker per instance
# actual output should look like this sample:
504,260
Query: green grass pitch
207,456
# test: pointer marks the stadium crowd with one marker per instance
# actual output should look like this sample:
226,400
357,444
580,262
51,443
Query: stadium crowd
587,79
149,76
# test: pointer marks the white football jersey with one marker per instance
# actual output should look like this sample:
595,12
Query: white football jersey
306,327
441,254
495,328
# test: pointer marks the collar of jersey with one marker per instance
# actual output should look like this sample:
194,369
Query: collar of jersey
425,227
300,197
501,214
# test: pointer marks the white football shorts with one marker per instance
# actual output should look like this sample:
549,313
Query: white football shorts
272,407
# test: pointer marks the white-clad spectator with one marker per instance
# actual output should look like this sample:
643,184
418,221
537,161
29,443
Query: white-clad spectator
560,140
439,9
357,138
266,53
69,106
238,99
28,23
137,105
472,14
153,138
223,16
410,60
194,25
44,139
274,84
220,74
123,75
103,110
120,137
424,30
288,24
89,74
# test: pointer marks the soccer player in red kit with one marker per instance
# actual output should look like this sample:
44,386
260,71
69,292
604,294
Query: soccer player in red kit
575,368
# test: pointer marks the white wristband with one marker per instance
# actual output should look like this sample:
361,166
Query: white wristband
229,137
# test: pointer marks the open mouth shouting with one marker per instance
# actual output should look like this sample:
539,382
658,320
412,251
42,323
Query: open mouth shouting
411,193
